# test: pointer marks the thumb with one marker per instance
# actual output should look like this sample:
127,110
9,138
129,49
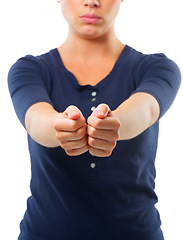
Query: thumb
73,112
101,111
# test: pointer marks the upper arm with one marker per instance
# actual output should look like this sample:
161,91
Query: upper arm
26,86
160,77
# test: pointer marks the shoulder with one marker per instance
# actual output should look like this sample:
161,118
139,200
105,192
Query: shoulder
140,61
155,60
37,63
153,63
35,66
159,76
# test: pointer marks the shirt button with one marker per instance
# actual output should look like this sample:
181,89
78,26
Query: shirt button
92,165
93,99
93,108
94,94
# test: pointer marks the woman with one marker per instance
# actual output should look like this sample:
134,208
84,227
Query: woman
91,109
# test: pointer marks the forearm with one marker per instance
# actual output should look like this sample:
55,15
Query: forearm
136,114
39,122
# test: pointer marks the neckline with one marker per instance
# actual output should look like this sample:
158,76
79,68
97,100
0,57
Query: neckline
103,81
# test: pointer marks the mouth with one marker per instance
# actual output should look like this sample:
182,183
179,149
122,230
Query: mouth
90,18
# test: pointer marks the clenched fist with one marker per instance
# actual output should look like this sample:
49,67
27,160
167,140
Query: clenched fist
99,137
103,131
71,131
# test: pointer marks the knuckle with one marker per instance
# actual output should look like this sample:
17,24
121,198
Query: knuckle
91,131
69,152
63,145
91,141
113,145
108,153
92,151
118,124
98,122
58,136
73,125
81,133
77,124
83,121
83,141
115,136
55,125
94,121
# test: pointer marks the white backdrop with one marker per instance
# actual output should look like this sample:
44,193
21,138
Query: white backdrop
36,26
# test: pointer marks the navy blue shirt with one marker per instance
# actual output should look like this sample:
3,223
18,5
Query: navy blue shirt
86,197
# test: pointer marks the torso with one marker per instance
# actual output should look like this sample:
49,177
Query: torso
75,188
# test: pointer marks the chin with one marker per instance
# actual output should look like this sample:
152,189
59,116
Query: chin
89,33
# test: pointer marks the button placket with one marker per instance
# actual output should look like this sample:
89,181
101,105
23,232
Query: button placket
93,94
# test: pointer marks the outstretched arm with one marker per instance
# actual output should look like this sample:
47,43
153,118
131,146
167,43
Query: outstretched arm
132,117
52,129
105,127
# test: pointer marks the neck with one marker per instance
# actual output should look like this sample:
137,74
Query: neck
78,47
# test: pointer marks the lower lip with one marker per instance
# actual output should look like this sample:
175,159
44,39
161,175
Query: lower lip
90,20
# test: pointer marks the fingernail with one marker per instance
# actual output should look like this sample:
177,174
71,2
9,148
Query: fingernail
101,114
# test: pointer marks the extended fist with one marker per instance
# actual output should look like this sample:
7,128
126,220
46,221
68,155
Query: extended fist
103,131
99,137
71,131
